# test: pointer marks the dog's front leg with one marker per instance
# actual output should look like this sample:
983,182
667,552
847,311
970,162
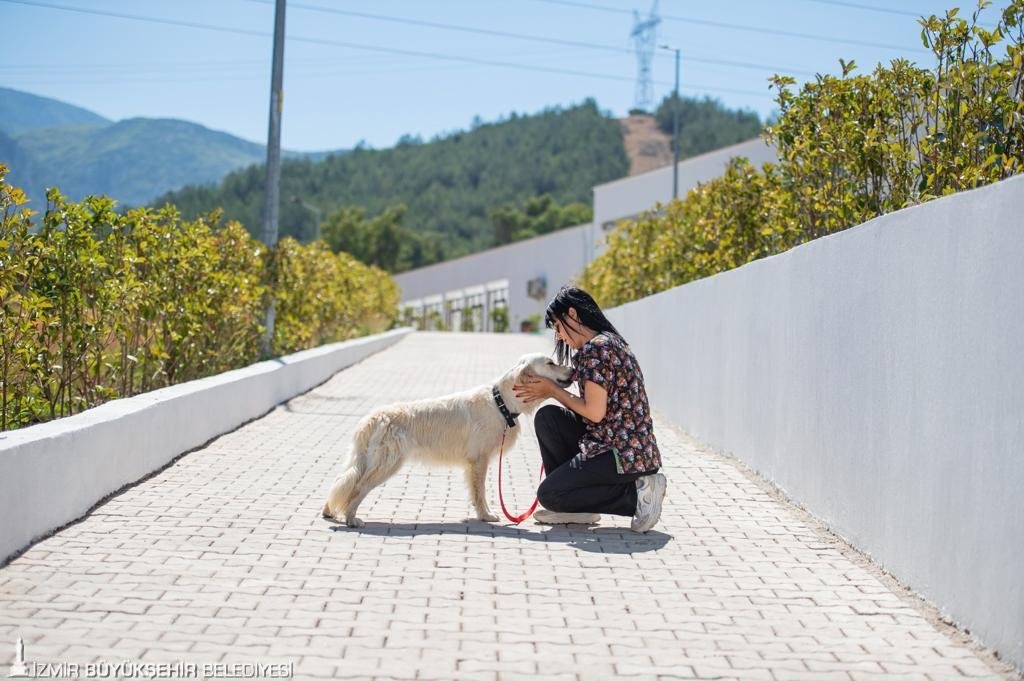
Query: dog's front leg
476,478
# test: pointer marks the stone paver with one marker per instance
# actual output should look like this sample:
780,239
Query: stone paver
223,557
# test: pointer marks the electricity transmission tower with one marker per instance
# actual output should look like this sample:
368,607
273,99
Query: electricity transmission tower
644,36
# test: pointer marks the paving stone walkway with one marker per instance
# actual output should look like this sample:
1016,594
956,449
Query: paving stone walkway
223,557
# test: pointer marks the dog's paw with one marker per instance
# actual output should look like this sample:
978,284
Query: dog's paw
354,522
488,517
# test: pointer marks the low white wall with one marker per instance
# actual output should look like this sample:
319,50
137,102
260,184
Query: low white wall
54,472
877,377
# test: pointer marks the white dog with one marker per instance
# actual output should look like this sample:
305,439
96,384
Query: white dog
459,429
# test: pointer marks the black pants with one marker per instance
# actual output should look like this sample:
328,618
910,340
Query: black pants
595,487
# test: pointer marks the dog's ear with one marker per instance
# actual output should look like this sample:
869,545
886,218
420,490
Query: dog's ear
520,371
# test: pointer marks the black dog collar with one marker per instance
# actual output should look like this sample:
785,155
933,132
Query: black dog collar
510,418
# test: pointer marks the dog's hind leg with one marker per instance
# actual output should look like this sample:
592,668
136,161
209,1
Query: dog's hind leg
476,479
365,441
342,490
387,460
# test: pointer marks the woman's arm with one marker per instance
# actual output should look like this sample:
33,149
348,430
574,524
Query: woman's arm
593,373
593,408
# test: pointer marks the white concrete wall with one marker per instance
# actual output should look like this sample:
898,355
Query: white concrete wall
558,257
54,472
877,377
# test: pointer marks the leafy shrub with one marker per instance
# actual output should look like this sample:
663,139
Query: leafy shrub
499,319
850,147
466,319
722,224
95,305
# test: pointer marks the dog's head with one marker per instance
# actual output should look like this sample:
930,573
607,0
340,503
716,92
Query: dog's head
533,364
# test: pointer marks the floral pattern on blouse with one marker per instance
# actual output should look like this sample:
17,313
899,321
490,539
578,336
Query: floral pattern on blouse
627,428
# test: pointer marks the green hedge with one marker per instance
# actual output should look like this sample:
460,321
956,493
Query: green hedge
850,148
95,305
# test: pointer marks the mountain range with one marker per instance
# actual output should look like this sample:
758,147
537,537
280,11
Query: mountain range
47,142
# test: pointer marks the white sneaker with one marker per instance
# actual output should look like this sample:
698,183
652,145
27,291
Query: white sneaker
546,517
650,490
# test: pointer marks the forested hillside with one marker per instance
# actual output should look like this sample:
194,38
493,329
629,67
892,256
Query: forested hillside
449,185
464,191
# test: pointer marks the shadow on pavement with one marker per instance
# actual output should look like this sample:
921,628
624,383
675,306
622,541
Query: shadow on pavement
591,538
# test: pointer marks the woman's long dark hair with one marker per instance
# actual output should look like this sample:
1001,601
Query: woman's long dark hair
590,316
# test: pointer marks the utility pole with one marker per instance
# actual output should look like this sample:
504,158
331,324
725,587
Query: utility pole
675,127
675,134
271,197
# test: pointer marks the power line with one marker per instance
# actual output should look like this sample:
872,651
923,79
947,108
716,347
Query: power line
136,17
294,74
696,88
360,46
870,8
449,27
741,27
106,69
122,65
875,8
176,66
533,38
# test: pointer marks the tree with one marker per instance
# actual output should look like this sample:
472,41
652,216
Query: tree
540,215
706,124
374,241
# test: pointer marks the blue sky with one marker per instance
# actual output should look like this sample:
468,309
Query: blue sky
337,95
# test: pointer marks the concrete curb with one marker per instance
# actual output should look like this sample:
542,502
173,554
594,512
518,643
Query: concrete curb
55,472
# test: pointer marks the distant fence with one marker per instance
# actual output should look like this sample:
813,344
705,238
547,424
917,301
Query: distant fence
877,377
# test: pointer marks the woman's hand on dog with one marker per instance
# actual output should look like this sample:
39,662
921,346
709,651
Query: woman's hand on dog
535,388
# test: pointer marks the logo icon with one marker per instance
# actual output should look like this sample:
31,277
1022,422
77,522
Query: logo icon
18,669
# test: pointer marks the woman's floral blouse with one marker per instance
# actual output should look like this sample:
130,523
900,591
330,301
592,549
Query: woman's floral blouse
627,428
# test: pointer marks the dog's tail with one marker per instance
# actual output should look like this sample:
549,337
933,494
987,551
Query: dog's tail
365,441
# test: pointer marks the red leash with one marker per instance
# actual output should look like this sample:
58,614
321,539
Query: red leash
519,518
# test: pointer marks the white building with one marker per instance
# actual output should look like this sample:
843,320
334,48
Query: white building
522,276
